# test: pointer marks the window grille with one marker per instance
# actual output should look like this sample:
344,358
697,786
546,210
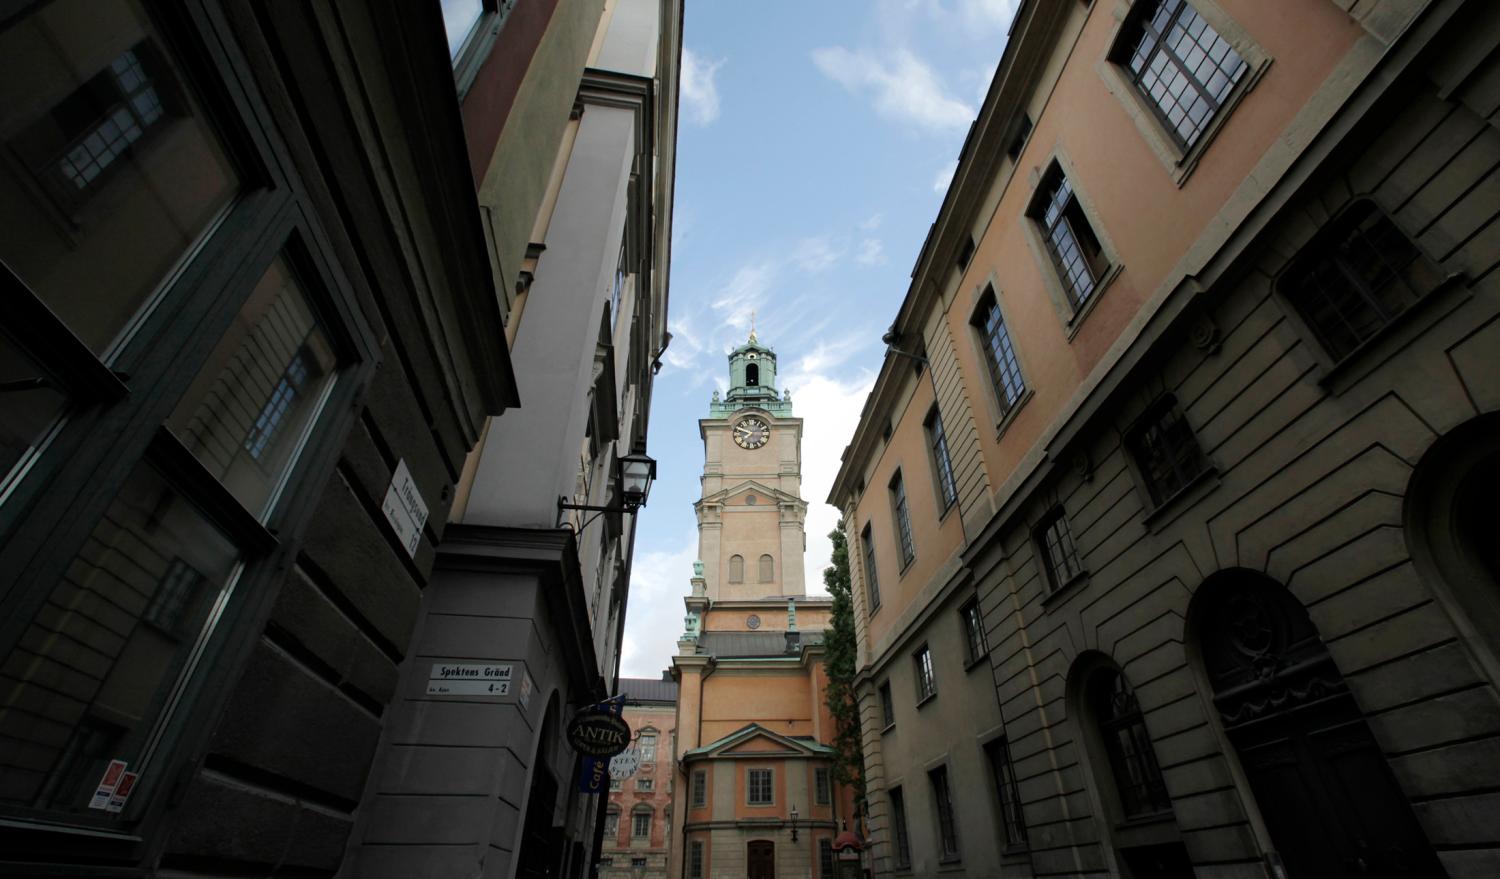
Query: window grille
898,825
640,824
695,860
1012,821
1166,450
1071,242
825,859
700,787
942,800
1132,759
926,683
887,708
611,823
759,785
1180,64
903,520
872,582
823,787
999,353
1059,554
940,459
973,630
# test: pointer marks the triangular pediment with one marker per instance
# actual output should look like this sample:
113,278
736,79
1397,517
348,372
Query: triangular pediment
734,493
755,740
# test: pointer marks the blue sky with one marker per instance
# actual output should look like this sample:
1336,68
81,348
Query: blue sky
815,146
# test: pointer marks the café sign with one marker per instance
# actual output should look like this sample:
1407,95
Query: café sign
598,735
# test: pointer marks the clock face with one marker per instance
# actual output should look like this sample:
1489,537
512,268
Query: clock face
751,433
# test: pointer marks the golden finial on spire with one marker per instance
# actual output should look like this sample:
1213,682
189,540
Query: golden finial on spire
752,326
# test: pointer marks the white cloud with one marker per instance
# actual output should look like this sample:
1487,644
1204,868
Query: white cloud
872,222
902,87
944,177
746,292
700,92
988,15
871,252
815,254
654,614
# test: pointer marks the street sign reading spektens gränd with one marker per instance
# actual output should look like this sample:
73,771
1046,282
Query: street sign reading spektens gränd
594,734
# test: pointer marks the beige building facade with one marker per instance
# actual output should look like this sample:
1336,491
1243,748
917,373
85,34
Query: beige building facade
1177,456
638,817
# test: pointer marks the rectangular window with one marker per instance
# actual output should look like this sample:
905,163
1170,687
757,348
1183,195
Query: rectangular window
611,823
1076,252
700,788
637,862
973,624
1013,823
926,684
903,520
645,784
872,582
758,787
1059,555
647,746
1354,277
640,825
1018,137
887,707
616,784
1180,65
825,859
1165,450
823,786
695,860
942,801
999,353
938,441
902,854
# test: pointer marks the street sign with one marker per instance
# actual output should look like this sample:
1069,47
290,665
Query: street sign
624,764
598,735
469,679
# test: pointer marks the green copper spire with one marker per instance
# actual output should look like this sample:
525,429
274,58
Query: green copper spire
752,381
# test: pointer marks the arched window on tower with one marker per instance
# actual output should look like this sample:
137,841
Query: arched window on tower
767,569
736,569
752,376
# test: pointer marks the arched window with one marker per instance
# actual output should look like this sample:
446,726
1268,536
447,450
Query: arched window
612,822
1127,744
736,569
767,569
752,376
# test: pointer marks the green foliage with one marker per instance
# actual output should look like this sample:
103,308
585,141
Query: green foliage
840,652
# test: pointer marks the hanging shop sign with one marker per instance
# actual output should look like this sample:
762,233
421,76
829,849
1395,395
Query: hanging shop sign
624,764
594,734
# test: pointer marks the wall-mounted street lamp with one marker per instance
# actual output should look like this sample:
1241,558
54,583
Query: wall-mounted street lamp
892,339
637,472
794,823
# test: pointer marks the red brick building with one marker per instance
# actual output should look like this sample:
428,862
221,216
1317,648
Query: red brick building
638,820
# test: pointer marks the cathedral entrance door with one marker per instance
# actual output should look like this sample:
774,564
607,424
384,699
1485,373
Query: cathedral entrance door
760,859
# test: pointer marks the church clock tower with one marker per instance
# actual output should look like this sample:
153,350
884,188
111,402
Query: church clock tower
751,514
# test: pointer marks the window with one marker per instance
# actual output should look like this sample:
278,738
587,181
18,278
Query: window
1165,450
647,747
999,353
471,27
736,569
617,289
612,823
645,784
822,786
1132,760
695,859
926,684
767,569
872,582
758,787
700,788
640,823
902,854
973,624
825,859
1354,277
637,862
942,801
1012,821
903,520
887,707
1018,137
938,441
616,784
1058,555
1076,252
1179,64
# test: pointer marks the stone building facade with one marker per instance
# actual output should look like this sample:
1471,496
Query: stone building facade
1208,378
638,819
754,785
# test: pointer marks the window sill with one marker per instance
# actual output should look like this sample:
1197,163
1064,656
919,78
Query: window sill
1065,591
1004,423
950,865
906,567
1336,378
976,662
888,727
1075,323
952,505
926,699
1157,517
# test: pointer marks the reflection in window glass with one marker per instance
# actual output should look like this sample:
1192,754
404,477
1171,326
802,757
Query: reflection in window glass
459,20
243,416
31,405
115,173
89,676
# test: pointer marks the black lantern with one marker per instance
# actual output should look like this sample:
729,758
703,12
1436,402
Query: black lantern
637,472
794,823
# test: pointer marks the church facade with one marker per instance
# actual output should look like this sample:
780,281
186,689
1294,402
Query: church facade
754,787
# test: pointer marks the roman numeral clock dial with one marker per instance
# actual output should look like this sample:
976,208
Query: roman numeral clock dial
751,433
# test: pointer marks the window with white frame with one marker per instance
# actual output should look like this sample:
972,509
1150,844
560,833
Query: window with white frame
759,788
640,822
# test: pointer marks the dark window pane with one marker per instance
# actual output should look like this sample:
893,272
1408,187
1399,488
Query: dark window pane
947,825
1128,745
898,824
244,415
941,460
1013,823
1182,66
116,174
872,584
90,676
1167,451
903,520
1059,555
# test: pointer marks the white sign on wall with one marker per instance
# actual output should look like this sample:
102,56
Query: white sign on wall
405,509
469,679
624,764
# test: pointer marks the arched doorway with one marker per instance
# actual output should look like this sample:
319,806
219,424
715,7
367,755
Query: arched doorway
541,843
1330,802
760,859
